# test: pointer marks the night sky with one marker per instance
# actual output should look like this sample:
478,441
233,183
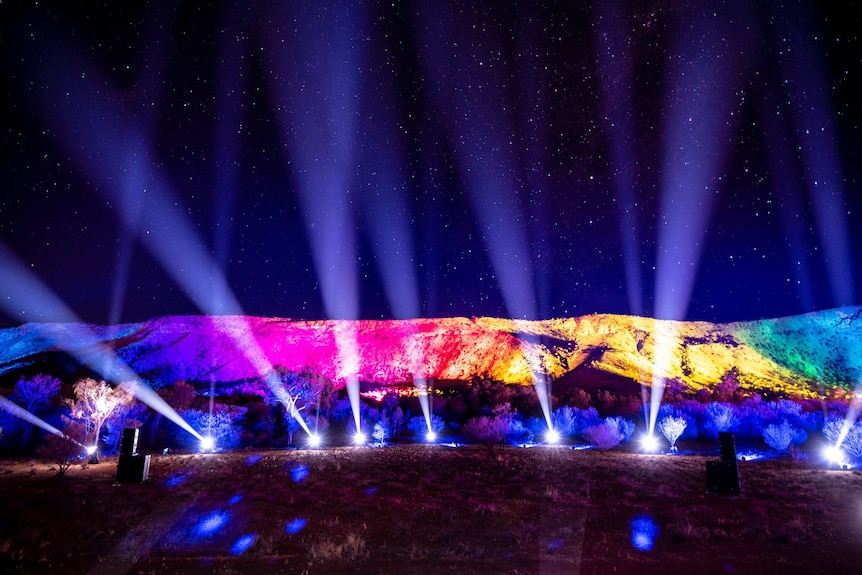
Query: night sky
308,160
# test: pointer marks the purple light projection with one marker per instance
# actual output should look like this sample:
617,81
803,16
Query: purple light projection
481,124
313,67
814,118
616,71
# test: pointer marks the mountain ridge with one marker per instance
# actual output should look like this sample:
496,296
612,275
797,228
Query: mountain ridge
805,355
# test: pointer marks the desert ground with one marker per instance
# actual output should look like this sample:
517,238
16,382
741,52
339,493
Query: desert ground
429,509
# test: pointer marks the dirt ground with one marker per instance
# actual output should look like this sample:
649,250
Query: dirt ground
429,509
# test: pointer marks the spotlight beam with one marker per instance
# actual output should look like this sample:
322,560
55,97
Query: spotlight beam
164,228
21,413
25,295
319,145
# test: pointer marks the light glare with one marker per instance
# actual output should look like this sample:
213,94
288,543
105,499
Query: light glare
207,444
649,443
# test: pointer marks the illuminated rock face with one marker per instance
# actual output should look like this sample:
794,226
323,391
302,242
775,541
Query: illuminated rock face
796,355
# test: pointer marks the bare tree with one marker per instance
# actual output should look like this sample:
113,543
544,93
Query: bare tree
63,450
33,394
96,401
297,392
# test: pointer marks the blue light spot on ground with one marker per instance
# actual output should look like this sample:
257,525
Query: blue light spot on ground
644,532
299,472
211,523
252,459
242,544
235,499
371,490
176,479
295,526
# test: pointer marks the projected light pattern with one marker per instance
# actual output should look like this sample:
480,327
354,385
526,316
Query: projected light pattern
294,526
645,532
243,544
211,523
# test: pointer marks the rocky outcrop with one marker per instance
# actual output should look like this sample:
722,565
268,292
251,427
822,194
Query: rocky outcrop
801,355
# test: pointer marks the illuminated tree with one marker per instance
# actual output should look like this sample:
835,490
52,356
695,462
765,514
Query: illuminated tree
297,392
419,426
604,435
381,432
781,437
222,424
722,417
564,420
33,394
95,402
672,427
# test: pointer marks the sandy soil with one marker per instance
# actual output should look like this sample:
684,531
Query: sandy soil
429,509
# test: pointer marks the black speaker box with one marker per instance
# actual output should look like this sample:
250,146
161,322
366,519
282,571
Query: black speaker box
133,468
129,442
722,477
727,445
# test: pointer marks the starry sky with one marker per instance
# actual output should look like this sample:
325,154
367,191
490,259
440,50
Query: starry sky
362,159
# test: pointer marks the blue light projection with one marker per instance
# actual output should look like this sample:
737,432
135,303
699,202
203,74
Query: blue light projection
176,479
211,523
299,472
645,531
295,526
243,544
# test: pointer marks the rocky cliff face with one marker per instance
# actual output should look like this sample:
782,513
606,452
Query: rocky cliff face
800,355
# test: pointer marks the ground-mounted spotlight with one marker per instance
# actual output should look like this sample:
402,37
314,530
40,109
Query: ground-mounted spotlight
552,437
430,437
836,456
314,441
649,443
93,454
359,438
207,444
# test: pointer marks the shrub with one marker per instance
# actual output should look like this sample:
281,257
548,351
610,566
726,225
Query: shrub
626,427
518,431
832,429
64,451
564,420
672,427
781,437
419,426
852,441
587,418
486,430
351,548
690,411
222,425
720,417
605,435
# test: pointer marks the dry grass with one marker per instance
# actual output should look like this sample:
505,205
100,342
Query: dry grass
429,509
